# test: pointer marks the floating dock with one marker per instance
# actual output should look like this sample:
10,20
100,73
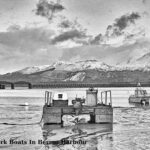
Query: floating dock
57,110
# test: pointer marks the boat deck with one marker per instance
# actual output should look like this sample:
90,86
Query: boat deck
57,108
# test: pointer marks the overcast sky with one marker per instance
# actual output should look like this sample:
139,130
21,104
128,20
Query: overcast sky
31,35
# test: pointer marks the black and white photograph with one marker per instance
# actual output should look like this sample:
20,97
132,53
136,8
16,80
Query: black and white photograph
74,74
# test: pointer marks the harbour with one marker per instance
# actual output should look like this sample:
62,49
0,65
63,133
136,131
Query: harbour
75,75
22,121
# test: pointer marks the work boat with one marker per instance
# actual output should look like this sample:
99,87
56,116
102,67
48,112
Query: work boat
57,109
140,96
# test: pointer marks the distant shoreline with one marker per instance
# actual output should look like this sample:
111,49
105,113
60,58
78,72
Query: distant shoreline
86,85
75,85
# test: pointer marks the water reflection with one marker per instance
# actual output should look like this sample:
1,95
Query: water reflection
81,136
131,124
139,105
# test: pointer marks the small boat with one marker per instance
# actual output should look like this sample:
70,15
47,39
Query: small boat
140,96
57,109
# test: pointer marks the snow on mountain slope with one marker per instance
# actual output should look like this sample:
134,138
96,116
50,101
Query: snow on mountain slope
34,69
137,58
67,66
82,65
77,77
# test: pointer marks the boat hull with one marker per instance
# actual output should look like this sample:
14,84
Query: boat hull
139,99
98,114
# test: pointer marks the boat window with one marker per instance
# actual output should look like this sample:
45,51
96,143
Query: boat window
60,95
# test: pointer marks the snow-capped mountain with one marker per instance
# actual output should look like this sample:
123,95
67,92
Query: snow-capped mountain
138,64
67,66
82,65
35,69
82,71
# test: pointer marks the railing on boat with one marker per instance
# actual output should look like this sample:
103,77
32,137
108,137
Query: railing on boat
105,95
106,98
48,97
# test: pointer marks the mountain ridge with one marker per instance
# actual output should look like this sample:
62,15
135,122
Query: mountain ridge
89,71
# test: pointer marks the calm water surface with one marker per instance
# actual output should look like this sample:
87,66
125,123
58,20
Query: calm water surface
131,126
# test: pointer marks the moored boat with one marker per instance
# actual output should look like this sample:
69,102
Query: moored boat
140,96
57,109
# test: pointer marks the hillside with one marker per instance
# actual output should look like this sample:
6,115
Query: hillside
83,71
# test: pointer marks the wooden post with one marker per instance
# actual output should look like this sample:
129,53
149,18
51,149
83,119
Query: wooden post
2,86
45,97
48,98
30,86
61,117
110,99
12,86
106,97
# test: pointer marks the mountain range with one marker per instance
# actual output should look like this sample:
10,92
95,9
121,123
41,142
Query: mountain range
82,71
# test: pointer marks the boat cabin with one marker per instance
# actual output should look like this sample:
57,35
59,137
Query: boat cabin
60,96
140,92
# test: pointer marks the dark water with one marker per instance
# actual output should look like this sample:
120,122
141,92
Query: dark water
130,129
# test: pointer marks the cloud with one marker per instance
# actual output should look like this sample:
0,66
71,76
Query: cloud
97,39
121,23
72,34
67,30
26,38
125,20
122,28
144,1
26,47
13,27
65,24
109,54
47,9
